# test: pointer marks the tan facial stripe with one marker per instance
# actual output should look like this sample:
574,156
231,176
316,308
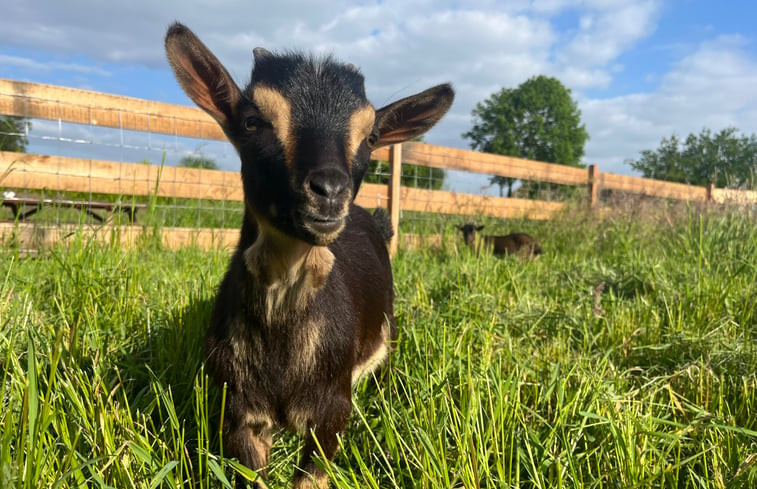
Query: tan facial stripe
361,125
278,111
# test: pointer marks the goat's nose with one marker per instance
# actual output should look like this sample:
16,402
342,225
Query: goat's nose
328,183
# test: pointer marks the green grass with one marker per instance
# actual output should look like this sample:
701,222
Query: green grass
623,357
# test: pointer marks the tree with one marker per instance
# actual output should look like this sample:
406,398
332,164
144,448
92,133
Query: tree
198,161
724,159
13,131
538,120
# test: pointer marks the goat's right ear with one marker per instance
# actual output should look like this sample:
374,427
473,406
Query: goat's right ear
479,228
202,76
410,117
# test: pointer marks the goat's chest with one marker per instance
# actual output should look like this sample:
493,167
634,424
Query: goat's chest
291,348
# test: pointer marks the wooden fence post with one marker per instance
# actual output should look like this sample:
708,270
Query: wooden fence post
593,185
708,192
395,173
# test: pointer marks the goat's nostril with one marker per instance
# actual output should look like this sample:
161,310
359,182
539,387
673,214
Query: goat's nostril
328,184
324,188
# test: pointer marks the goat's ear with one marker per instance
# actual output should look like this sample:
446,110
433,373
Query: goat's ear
412,116
202,76
479,228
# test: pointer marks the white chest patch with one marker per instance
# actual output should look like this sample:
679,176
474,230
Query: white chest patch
290,272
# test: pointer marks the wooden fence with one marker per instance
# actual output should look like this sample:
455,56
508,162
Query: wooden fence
59,173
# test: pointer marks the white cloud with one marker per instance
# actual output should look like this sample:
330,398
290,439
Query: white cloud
33,65
713,87
604,31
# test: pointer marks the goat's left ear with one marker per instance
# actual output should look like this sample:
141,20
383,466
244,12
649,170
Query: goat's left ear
412,116
202,76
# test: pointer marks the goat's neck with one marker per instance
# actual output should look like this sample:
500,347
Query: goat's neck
279,261
288,273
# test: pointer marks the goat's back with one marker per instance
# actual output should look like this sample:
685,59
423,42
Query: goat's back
514,243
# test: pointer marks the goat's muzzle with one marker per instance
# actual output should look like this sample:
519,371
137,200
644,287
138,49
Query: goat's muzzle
328,193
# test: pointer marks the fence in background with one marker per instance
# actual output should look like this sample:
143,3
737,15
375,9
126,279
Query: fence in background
90,111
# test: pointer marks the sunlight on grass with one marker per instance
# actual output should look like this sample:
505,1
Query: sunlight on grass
623,357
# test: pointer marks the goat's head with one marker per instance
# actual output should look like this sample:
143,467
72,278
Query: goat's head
303,129
469,232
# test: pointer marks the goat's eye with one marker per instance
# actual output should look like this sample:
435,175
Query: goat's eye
372,139
253,123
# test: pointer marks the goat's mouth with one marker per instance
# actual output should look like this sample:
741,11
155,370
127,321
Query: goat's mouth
323,229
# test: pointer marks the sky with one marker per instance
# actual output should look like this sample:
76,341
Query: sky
639,70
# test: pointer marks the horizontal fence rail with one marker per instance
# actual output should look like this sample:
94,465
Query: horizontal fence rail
37,172
56,103
70,174
656,188
460,159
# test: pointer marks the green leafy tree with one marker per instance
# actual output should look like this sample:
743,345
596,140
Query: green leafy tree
198,161
725,159
538,120
13,133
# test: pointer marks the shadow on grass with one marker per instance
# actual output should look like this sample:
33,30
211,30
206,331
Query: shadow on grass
163,379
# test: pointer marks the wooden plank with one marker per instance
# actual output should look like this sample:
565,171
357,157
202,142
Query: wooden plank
373,195
52,102
30,171
412,241
490,164
381,154
437,201
30,236
593,184
734,196
655,188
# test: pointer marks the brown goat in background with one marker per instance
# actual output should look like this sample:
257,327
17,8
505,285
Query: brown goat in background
305,308
520,243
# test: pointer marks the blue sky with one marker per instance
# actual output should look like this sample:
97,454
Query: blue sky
640,70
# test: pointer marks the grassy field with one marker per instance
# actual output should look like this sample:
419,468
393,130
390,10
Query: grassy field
623,357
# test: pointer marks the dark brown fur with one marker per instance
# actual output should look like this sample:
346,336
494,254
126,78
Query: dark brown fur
520,243
305,307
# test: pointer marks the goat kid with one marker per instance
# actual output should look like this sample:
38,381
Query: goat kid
305,308
520,243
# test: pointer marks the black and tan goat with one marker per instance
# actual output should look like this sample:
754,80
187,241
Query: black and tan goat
520,243
305,307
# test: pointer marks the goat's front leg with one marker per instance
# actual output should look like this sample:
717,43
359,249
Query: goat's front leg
248,437
324,428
